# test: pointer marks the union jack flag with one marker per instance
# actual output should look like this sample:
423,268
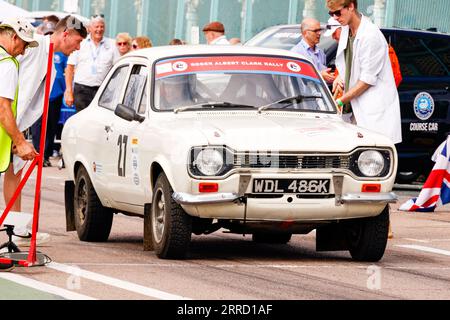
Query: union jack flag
436,190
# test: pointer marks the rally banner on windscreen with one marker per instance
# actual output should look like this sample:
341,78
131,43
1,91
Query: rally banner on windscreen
436,190
235,64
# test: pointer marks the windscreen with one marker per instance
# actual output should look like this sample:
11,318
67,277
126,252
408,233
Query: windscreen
239,82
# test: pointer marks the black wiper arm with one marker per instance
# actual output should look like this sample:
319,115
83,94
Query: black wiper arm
298,98
213,105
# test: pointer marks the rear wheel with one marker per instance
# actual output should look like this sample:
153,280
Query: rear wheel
92,220
368,237
171,227
271,238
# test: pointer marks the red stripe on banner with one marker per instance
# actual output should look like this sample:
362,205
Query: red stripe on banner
234,63
431,202
436,178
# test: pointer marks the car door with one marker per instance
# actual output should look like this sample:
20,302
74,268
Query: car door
111,95
124,165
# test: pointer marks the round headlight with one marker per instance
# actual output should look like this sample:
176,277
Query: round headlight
209,162
371,163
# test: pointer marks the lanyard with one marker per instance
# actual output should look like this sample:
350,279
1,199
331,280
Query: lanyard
95,51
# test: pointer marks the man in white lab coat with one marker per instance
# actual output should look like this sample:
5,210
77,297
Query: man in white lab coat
365,72
69,33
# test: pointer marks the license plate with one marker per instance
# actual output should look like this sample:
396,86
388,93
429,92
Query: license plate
297,186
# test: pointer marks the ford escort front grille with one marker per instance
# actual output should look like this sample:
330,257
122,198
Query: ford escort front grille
262,161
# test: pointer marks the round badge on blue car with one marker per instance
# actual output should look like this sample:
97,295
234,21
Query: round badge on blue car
424,106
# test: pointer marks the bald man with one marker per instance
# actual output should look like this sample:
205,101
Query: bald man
311,32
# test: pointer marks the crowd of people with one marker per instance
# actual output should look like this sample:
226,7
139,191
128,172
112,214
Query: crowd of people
364,84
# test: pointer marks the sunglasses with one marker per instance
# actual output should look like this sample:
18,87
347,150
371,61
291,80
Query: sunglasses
336,13
122,43
101,15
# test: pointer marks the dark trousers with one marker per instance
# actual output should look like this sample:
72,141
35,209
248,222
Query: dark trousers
52,127
83,96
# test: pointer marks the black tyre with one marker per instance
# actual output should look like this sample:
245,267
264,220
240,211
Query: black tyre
368,237
171,227
407,177
92,221
271,238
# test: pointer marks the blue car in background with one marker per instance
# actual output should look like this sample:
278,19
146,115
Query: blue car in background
424,58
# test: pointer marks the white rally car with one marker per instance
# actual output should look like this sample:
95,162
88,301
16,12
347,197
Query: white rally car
199,138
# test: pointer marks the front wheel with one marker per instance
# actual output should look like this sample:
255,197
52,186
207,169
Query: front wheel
171,227
368,237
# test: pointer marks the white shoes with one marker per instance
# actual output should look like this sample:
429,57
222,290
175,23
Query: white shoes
41,238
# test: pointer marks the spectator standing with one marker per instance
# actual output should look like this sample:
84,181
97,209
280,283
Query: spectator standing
123,43
141,42
311,32
215,33
365,72
334,30
87,67
56,96
67,37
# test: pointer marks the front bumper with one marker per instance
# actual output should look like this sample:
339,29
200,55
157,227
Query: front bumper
216,198
341,203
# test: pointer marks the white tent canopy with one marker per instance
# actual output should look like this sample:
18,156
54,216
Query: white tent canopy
8,10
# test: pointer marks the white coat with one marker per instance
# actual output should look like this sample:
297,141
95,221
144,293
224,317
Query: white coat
32,73
377,109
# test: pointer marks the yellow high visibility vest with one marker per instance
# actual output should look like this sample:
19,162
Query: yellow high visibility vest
5,139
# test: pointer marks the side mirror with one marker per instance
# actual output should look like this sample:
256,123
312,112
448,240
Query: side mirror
122,111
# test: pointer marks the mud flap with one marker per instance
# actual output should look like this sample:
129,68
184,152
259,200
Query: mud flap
148,245
331,238
69,190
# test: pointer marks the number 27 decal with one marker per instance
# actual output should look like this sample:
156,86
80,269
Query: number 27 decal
122,162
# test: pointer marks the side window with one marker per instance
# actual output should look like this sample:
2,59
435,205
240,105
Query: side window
135,96
111,94
423,56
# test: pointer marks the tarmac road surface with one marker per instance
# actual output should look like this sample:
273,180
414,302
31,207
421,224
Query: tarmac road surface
220,266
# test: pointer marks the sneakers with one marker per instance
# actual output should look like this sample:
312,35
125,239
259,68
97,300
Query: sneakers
41,238
5,267
55,155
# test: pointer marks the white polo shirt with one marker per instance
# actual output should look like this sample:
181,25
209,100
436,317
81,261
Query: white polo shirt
93,63
8,80
222,40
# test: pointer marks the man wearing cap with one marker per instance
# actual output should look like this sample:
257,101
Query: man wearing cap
307,47
15,36
215,33
334,30
69,33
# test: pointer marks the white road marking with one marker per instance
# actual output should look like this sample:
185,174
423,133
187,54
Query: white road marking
41,286
125,285
427,240
416,240
426,249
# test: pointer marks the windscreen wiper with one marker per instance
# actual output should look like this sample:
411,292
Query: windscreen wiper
213,105
293,99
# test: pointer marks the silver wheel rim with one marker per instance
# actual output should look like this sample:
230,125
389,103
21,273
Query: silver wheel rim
159,208
81,201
